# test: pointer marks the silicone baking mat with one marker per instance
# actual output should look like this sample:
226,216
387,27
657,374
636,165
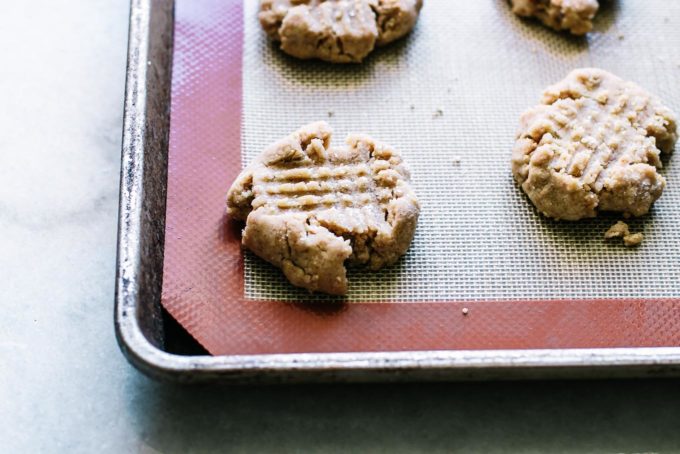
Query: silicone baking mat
448,97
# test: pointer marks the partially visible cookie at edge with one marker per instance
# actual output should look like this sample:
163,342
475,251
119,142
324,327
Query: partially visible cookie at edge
311,208
593,144
576,16
338,31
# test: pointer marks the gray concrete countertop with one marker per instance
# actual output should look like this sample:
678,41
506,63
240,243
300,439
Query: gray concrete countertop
64,385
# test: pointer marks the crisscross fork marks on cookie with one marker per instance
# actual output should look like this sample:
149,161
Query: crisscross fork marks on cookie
334,185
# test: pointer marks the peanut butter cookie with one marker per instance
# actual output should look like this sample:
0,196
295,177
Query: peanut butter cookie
593,144
338,31
309,208
573,15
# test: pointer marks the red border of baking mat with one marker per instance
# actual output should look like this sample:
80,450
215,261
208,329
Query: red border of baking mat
203,269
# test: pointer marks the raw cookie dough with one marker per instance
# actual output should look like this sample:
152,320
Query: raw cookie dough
593,144
310,208
618,230
338,31
573,15
633,240
621,230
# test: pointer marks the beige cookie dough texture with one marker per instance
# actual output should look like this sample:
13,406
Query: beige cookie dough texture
338,31
573,15
593,144
621,230
310,208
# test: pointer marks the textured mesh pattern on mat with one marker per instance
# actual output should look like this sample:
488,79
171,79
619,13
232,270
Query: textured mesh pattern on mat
454,90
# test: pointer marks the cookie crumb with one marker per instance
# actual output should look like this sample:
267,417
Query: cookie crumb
438,113
633,240
621,230
618,230
466,311
456,160
621,36
331,114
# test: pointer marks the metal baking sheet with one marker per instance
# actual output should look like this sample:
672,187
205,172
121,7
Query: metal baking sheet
476,124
